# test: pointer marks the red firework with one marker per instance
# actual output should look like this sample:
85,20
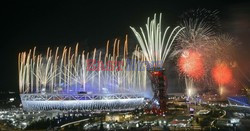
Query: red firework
222,73
191,64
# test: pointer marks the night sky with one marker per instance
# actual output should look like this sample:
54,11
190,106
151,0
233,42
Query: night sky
57,23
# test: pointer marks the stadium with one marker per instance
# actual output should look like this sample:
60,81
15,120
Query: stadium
95,102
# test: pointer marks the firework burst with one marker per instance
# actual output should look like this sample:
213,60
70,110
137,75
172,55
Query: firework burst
222,73
198,34
197,38
191,64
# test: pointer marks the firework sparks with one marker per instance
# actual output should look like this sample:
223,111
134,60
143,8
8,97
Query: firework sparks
75,71
223,47
199,28
152,42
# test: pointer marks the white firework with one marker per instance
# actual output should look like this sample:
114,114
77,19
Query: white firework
156,45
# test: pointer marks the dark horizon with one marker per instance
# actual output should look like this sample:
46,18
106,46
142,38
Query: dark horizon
91,24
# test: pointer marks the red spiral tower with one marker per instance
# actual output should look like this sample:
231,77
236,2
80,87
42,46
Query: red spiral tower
159,87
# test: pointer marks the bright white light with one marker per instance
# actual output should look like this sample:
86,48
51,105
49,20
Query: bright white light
234,120
221,90
190,92
12,99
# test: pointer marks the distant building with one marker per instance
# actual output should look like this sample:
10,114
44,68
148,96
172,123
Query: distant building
239,101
